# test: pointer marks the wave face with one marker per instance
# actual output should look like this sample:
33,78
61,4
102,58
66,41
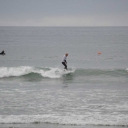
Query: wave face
78,75
57,72
26,70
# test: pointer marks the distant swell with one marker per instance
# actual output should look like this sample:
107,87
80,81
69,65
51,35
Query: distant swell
96,72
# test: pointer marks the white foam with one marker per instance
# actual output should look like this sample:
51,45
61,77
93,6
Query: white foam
66,120
23,70
14,71
54,72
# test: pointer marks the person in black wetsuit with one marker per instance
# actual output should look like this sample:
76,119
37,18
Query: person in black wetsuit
2,53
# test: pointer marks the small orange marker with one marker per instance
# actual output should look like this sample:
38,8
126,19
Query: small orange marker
99,53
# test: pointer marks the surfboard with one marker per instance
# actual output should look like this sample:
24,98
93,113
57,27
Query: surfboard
65,69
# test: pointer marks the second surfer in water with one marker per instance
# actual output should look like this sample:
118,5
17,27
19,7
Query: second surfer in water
2,53
64,62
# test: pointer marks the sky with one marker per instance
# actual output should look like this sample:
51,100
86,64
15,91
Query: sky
63,12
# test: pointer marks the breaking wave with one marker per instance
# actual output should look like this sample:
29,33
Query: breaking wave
58,73
64,120
26,70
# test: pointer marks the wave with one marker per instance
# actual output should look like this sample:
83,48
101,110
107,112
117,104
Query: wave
64,120
27,70
58,73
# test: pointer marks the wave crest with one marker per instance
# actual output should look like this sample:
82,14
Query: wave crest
24,70
58,73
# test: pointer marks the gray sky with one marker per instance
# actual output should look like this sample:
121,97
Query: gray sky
63,12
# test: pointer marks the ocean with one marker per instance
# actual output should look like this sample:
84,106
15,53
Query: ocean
36,90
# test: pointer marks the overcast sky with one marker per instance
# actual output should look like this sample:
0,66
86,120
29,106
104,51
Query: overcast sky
63,12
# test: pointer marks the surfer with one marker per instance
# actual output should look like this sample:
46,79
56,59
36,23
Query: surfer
64,62
2,53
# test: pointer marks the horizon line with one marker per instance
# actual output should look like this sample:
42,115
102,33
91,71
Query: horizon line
59,26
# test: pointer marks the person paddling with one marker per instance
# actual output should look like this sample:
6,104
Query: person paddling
2,53
64,62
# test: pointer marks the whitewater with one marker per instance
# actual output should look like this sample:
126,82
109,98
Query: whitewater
24,70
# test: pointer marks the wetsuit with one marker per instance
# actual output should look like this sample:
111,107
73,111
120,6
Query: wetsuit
2,53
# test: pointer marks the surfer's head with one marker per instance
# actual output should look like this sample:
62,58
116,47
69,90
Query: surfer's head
66,54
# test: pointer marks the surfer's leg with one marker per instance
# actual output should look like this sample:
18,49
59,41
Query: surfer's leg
65,66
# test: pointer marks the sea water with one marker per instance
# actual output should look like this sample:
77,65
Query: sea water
34,87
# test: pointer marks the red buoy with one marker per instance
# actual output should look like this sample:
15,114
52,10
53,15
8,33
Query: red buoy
99,53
